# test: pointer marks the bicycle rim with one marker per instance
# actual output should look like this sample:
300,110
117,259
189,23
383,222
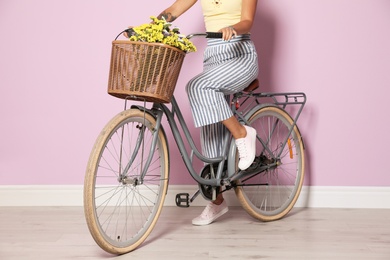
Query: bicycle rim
270,195
121,209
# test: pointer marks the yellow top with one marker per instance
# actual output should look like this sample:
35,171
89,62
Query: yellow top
221,13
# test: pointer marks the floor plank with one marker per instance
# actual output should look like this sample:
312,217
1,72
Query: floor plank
61,233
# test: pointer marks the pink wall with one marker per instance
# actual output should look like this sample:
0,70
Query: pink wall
54,58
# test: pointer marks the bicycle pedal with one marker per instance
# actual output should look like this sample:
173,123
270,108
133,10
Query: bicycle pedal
183,200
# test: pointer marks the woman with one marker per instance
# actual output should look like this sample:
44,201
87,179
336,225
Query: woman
230,65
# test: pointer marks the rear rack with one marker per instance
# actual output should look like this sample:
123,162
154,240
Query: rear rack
292,102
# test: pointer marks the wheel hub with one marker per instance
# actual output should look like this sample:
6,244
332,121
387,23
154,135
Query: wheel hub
126,180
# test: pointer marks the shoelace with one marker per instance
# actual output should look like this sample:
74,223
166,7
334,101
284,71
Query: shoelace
242,151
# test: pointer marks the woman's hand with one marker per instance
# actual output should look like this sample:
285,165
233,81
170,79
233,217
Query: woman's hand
228,33
126,34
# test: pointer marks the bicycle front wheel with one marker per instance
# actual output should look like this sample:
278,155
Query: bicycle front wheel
271,194
122,206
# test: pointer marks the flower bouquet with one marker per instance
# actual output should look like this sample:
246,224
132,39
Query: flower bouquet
160,32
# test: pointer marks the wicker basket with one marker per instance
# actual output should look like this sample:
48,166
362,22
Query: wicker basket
144,71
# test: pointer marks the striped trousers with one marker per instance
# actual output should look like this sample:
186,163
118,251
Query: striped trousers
228,67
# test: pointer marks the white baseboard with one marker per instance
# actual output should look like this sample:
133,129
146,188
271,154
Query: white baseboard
311,196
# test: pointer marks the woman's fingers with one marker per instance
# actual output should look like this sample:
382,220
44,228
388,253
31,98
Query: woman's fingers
228,33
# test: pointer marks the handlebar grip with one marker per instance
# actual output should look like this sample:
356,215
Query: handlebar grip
129,32
215,35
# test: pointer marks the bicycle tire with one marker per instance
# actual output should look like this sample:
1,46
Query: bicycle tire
274,191
121,212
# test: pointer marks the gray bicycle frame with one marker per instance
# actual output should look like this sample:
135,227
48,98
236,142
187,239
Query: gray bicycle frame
252,102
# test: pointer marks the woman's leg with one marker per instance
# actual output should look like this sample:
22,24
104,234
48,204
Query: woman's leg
212,143
235,127
212,137
228,68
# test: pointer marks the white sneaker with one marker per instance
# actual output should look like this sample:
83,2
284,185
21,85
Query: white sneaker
247,148
210,213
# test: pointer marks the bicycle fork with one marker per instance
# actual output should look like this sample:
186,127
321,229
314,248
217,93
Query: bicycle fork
123,176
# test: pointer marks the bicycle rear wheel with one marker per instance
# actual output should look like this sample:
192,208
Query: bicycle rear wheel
121,207
271,194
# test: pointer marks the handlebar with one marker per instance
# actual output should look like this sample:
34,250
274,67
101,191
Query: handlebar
214,35
211,35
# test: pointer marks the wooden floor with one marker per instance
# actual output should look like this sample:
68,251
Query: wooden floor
61,233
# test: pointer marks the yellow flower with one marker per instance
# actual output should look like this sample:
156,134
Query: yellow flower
160,31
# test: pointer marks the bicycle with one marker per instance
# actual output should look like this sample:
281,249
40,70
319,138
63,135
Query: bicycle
128,171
